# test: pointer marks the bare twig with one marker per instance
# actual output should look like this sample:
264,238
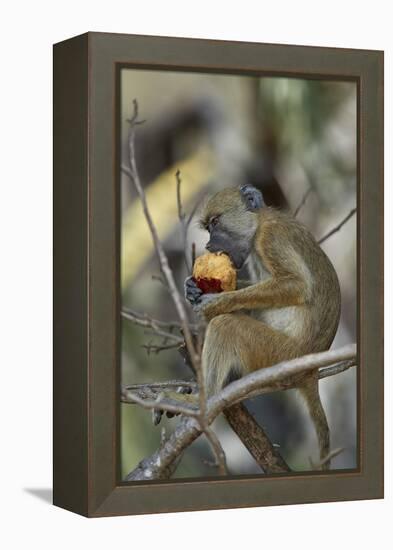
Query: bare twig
133,121
162,257
125,169
193,253
157,348
163,329
145,320
302,202
218,451
182,220
157,326
327,458
338,227
193,211
210,435
173,407
168,274
160,280
189,429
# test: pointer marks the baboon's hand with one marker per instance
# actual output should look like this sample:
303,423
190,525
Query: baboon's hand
192,292
207,305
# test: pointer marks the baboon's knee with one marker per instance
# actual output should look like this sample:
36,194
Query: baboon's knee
219,329
220,361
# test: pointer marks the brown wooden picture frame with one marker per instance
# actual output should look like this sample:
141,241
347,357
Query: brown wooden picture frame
86,291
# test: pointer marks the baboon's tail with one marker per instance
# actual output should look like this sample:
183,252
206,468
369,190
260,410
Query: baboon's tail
311,396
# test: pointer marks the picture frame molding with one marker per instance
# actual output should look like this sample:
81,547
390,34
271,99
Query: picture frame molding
87,295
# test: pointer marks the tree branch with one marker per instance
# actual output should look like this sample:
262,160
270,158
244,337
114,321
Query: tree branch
158,327
328,457
157,348
162,257
255,439
182,220
157,403
338,227
193,211
175,385
336,369
270,376
189,428
152,390
219,453
125,169
302,202
168,274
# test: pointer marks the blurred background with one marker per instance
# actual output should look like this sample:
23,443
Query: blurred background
284,136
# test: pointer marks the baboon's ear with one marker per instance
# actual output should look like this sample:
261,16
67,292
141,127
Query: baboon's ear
252,197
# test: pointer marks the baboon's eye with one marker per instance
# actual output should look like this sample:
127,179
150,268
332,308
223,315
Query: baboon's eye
214,221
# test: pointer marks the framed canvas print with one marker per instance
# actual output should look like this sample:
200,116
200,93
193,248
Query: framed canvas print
218,274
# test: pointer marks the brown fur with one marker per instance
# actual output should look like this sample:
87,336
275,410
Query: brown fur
291,307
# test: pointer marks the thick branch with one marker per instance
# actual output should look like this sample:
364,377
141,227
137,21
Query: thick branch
270,376
162,463
154,389
255,439
296,380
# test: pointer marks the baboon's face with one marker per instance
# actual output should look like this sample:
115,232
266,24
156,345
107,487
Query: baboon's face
231,222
